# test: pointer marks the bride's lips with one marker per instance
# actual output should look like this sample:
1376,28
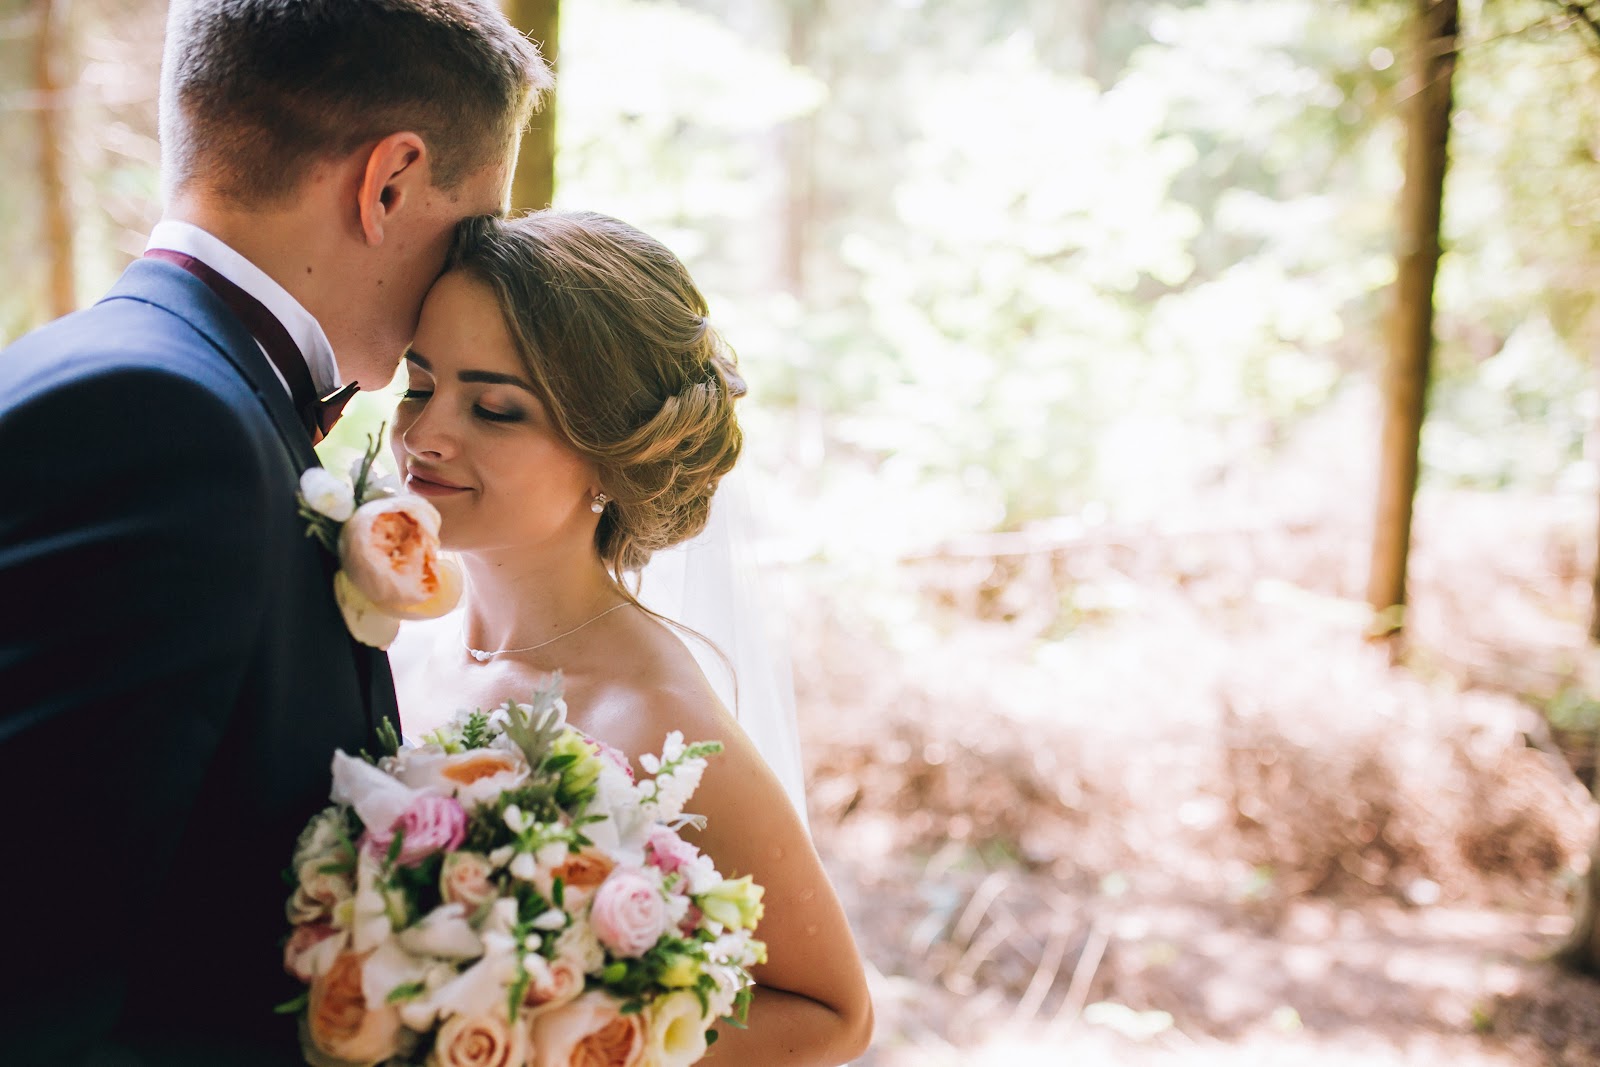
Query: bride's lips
423,485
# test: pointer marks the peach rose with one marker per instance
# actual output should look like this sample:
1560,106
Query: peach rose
482,1041
390,550
589,1032
472,777
339,1023
581,873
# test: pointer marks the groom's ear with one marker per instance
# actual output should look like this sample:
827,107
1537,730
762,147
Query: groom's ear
394,167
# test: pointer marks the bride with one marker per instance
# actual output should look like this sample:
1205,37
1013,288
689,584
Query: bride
569,411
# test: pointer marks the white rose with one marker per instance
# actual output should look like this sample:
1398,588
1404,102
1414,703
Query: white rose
390,549
325,493
675,1031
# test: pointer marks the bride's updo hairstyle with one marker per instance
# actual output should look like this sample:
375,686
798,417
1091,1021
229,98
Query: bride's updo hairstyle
613,335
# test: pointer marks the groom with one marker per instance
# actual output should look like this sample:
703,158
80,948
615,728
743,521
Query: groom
174,672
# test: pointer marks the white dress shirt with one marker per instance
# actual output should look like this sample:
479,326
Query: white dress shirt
215,253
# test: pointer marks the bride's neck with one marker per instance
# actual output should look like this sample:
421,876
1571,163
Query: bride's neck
514,600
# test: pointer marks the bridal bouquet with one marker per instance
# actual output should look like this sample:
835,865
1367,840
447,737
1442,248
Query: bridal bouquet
506,894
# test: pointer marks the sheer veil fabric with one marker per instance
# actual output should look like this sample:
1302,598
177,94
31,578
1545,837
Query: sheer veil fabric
712,585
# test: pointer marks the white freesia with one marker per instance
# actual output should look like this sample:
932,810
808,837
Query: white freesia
327,494
579,944
479,989
444,933
378,798
622,833
370,925
675,1030
388,968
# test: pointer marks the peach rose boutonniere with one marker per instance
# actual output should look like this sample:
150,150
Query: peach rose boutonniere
387,542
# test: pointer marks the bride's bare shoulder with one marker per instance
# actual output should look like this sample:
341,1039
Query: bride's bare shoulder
659,688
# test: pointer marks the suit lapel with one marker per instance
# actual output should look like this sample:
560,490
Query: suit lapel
173,289
181,293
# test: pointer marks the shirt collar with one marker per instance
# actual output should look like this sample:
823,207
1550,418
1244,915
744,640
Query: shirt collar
303,327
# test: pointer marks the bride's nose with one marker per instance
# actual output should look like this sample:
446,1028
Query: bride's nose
428,434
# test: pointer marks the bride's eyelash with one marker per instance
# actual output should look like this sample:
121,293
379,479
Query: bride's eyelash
415,394
496,416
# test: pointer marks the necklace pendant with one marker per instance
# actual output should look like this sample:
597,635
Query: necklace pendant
480,655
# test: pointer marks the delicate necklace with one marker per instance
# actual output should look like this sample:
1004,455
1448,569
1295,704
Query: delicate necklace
483,655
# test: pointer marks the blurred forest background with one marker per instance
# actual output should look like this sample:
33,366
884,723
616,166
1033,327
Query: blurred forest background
1065,322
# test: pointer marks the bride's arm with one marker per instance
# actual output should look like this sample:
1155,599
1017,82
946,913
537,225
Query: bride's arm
811,1003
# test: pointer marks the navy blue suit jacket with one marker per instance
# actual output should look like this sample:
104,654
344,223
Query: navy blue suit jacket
174,679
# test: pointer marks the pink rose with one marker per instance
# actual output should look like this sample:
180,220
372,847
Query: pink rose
667,852
464,879
589,1032
430,824
613,754
629,914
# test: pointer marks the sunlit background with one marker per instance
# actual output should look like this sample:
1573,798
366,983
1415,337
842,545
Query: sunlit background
1065,326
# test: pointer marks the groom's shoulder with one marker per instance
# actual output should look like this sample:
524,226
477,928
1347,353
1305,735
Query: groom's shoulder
119,355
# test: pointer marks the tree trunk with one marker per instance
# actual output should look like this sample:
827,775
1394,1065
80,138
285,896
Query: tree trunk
533,185
799,151
56,196
1405,384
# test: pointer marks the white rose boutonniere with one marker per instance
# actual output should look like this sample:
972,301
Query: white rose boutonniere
387,543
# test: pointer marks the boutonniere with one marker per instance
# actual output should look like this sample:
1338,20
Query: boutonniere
387,542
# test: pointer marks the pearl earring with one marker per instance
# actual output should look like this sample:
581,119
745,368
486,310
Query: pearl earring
599,503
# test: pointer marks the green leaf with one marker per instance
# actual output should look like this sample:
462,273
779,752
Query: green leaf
711,1038
388,738
394,847
291,1007
632,1007
407,991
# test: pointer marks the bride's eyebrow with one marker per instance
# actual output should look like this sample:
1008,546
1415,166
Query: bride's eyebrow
475,377
489,377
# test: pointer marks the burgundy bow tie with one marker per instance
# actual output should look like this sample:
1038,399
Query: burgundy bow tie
317,414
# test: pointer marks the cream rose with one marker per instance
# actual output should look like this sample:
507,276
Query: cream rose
482,1041
338,1022
589,1032
675,1030
464,880
390,550
318,893
551,984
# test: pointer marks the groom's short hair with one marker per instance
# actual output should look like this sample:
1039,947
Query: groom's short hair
254,92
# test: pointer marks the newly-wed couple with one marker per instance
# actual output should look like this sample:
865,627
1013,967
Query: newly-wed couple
174,671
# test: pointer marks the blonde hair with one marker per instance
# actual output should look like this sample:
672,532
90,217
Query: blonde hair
612,332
